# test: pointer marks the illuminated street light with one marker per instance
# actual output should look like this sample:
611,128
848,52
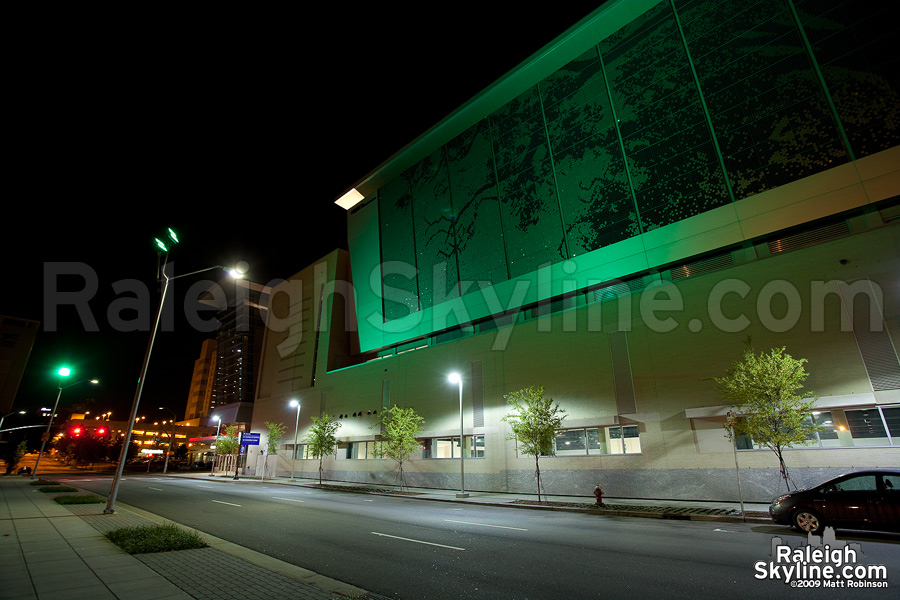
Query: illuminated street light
215,450
296,428
164,250
455,378
21,412
63,372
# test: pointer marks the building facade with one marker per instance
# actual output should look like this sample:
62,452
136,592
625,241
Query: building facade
16,341
200,397
610,221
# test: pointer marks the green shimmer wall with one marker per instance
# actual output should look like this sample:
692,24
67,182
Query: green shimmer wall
677,121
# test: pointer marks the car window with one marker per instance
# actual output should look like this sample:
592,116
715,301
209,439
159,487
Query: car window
860,483
891,483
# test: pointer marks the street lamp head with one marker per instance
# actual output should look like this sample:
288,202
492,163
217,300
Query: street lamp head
294,403
65,372
454,378
217,418
95,381
238,270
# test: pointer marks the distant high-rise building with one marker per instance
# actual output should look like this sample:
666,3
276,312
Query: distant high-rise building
200,398
238,343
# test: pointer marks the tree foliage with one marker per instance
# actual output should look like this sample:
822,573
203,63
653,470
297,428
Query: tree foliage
762,389
534,422
227,443
274,435
400,430
321,439
13,453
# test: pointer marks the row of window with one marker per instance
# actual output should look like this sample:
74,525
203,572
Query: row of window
587,441
873,426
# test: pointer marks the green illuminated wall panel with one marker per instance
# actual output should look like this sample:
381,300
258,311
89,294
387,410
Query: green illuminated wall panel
479,231
672,161
596,202
769,112
529,206
683,109
400,292
435,237
855,44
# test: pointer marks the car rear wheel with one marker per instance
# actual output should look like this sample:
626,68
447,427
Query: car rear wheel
808,521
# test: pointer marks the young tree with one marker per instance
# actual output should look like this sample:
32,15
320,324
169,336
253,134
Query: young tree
534,422
227,443
13,453
321,438
762,389
400,428
275,431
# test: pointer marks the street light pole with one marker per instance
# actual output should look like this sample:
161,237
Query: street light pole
215,450
63,372
296,429
171,437
21,412
114,490
455,378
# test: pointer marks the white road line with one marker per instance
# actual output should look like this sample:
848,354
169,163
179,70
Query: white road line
153,488
288,499
485,525
416,541
228,503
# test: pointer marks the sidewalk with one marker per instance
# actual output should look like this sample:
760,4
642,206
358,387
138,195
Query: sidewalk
54,552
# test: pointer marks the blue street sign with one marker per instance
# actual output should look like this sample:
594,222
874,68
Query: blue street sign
249,439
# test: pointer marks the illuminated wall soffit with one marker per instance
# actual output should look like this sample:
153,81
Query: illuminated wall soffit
349,200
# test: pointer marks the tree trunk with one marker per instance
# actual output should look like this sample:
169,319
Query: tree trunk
320,470
783,467
537,474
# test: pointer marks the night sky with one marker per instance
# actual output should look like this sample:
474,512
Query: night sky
238,130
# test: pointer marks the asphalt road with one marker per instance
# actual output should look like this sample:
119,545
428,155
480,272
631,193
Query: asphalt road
414,549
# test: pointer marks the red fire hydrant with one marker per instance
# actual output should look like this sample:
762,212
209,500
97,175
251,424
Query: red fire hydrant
598,494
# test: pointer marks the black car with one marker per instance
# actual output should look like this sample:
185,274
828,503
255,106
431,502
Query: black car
861,500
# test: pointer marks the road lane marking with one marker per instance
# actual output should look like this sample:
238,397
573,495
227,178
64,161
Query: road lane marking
153,488
485,525
288,499
396,537
228,503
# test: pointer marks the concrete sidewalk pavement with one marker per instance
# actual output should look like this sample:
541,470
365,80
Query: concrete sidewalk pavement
53,552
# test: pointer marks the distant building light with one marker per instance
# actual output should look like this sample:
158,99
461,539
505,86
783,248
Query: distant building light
349,200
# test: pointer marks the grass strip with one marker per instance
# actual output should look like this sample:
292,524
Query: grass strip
90,499
54,490
44,482
155,538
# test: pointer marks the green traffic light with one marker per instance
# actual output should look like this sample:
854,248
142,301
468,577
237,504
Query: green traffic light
64,371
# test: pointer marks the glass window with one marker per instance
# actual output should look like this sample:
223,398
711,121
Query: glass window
866,427
449,447
595,445
571,443
860,483
828,433
596,441
891,483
